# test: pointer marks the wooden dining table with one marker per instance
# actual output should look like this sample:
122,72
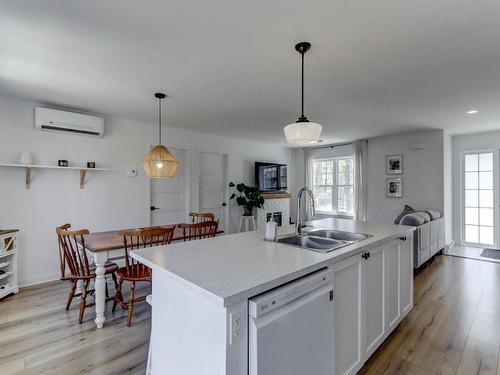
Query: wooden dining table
106,246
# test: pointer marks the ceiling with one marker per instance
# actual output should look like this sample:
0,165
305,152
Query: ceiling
230,68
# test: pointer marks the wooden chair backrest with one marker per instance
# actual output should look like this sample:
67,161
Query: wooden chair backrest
142,238
199,217
197,231
75,257
62,258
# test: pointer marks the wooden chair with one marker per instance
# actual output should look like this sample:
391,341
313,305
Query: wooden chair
197,231
198,217
80,269
62,258
133,270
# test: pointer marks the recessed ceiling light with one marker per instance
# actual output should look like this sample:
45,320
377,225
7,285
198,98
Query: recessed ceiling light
472,111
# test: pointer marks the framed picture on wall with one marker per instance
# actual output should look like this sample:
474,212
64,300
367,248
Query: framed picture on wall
394,187
394,164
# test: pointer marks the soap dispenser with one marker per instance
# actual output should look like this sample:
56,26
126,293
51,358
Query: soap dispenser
271,229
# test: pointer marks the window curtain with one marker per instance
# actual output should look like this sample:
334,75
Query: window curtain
360,188
308,180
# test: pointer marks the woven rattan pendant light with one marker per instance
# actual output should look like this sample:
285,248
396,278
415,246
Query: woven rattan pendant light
159,162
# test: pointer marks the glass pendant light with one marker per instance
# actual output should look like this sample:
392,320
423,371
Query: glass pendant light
159,162
302,131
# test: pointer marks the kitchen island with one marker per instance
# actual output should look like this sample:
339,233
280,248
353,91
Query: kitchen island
201,290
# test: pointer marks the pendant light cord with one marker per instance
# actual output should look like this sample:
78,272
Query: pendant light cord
159,120
302,84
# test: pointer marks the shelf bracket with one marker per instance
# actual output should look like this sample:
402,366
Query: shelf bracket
28,177
82,178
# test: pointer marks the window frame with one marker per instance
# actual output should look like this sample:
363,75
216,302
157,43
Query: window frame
335,212
495,198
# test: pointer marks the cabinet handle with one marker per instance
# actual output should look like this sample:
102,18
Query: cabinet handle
402,238
368,253
364,256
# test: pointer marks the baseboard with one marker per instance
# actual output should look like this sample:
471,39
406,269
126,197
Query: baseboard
38,280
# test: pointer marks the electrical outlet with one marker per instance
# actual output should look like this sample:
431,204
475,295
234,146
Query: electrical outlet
237,326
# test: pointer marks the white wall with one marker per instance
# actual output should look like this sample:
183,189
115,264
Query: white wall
461,144
448,185
422,174
110,200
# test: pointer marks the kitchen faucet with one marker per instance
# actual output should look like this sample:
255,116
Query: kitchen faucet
298,222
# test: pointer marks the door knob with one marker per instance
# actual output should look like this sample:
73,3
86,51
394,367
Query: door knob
224,204
152,208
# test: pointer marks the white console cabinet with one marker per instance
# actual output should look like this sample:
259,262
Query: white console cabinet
8,262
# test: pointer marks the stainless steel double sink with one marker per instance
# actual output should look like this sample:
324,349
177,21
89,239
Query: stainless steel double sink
323,240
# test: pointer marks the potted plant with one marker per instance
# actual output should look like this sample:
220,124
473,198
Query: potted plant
249,197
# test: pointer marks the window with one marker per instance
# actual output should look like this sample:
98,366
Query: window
333,186
478,203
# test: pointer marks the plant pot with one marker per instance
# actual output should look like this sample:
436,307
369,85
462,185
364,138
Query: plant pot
248,211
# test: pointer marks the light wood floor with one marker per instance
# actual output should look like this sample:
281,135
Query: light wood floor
454,328
37,336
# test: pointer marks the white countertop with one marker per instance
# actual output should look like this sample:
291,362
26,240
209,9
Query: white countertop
235,267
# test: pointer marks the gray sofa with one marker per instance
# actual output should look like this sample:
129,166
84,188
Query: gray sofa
428,239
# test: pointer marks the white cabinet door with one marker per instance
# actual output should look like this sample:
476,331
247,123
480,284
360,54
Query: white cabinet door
406,272
392,286
348,315
374,299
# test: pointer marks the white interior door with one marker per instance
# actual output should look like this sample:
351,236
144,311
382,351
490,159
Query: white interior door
169,196
212,186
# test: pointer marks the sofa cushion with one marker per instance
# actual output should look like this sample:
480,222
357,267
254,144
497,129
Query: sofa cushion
405,211
434,214
413,219
425,215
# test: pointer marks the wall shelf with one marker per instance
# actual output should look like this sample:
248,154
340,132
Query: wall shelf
30,167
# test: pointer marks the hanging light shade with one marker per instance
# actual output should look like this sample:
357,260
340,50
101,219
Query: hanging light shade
159,162
302,131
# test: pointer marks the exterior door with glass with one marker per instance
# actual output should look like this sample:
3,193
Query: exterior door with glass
480,198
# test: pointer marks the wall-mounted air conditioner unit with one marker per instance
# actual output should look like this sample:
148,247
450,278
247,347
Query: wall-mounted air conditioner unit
68,122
